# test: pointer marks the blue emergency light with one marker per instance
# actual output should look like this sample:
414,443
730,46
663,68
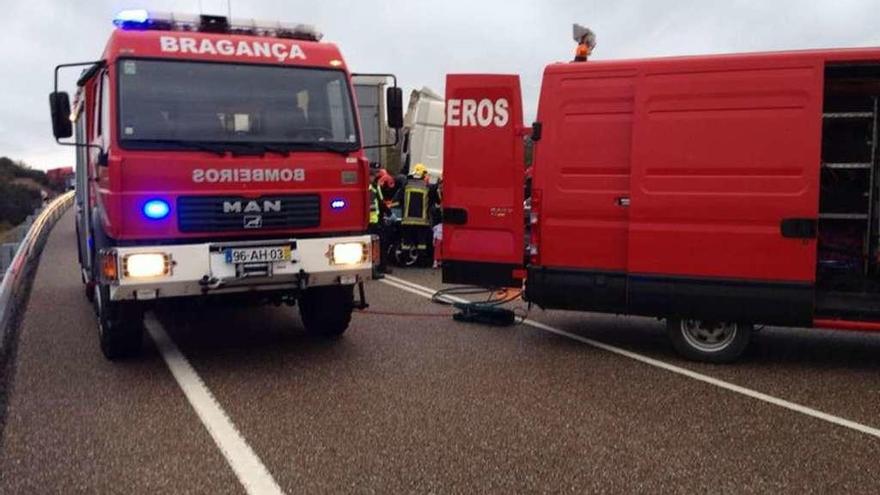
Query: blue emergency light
142,19
337,204
132,19
156,209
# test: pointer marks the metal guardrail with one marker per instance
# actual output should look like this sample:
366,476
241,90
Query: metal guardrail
21,266
10,240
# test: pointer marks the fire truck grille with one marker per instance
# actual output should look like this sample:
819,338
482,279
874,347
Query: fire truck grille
225,213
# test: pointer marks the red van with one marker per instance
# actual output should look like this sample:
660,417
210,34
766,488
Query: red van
718,192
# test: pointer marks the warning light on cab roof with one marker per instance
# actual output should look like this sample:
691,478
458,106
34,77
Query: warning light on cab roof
131,18
142,19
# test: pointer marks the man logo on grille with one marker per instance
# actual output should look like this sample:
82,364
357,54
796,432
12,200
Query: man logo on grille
253,221
268,206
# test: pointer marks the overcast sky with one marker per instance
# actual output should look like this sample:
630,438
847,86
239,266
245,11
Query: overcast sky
421,41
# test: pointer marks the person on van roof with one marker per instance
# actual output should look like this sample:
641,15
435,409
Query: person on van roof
586,40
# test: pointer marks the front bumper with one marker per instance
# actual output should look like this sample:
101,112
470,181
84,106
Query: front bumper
202,269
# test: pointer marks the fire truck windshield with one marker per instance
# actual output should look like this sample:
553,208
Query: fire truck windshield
217,106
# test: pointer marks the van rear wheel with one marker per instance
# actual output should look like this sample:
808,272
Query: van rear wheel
708,341
326,311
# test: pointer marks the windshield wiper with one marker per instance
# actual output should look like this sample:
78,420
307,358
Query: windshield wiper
284,149
217,148
281,150
244,148
341,148
254,148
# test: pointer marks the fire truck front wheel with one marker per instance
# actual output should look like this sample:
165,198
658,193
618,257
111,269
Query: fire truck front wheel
120,325
326,311
712,342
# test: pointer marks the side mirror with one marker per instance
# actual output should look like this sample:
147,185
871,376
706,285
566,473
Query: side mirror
394,104
59,104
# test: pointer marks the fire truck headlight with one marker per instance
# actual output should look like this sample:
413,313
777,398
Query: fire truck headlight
146,265
156,209
349,253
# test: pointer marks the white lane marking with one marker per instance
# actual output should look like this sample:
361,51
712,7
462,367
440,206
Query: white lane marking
427,292
394,283
251,472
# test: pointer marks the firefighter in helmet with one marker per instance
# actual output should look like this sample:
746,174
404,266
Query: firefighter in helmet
420,172
376,224
387,185
414,198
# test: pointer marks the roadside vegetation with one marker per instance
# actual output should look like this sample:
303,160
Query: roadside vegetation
21,191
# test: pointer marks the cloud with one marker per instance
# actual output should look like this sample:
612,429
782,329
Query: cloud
422,41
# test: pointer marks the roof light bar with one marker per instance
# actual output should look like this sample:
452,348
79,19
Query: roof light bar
275,29
142,19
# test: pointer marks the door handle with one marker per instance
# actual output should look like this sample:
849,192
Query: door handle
455,216
799,228
622,201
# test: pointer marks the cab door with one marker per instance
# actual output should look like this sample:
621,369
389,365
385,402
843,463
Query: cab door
483,181
81,200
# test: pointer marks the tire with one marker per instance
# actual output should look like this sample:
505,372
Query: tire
100,241
407,258
120,326
89,290
390,254
426,257
120,323
710,342
326,311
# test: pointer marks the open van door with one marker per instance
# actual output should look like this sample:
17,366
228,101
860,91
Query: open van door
483,181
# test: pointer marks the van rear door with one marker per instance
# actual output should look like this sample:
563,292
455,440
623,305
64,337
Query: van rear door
483,181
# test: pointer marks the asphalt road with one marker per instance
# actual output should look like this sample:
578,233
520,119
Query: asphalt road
410,403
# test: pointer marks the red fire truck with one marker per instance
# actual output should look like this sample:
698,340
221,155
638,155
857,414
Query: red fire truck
60,178
218,158
717,192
